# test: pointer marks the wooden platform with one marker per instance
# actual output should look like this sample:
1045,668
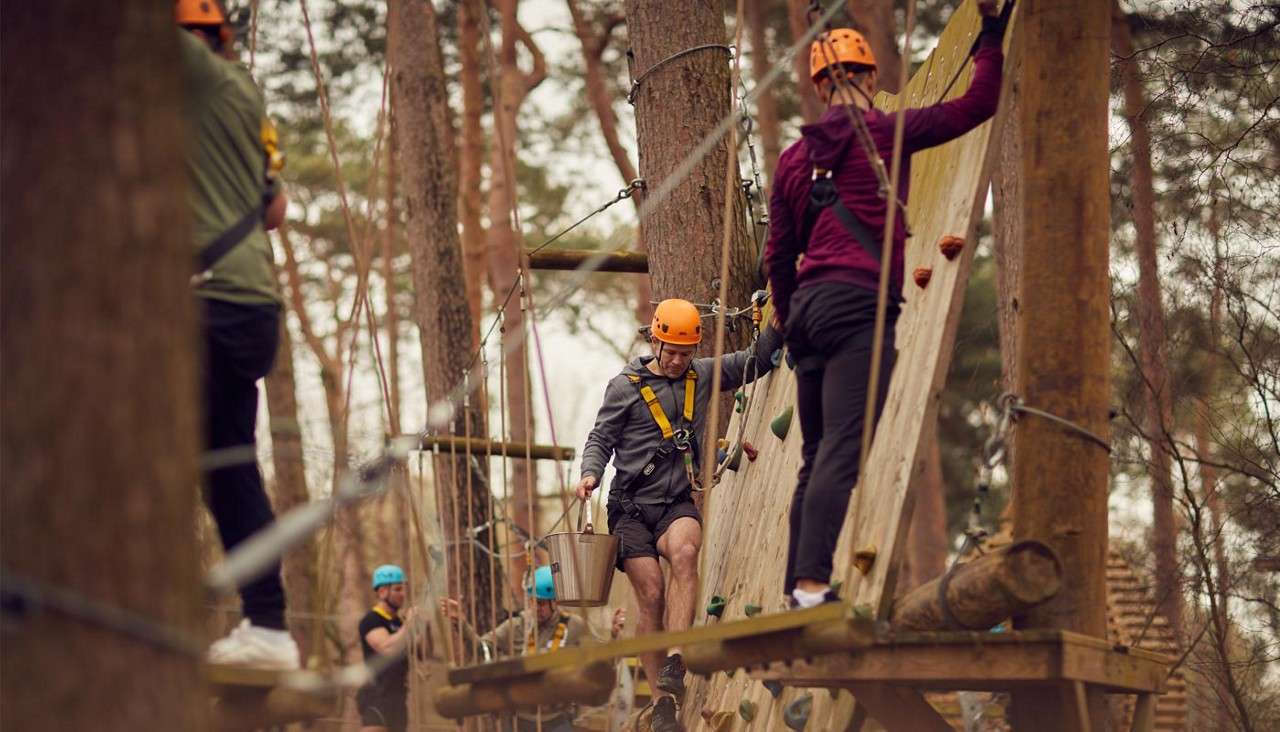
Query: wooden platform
249,698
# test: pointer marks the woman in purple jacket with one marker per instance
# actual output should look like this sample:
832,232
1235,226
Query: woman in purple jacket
827,306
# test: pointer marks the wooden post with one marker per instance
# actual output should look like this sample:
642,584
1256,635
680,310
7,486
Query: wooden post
1059,478
637,262
983,592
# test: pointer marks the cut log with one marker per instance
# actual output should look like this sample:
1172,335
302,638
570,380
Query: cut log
590,685
574,258
983,592
479,446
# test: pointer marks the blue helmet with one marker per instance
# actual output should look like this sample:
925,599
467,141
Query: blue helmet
387,574
544,587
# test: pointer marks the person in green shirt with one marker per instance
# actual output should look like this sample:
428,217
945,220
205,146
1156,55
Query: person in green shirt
231,165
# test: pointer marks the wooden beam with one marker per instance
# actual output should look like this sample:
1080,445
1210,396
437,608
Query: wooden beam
899,708
832,636
590,684
249,698
1059,478
986,591
567,259
582,655
983,661
480,447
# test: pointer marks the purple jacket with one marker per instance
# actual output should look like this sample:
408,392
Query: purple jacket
832,253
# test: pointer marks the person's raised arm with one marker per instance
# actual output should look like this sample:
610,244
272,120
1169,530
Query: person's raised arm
387,643
604,436
752,362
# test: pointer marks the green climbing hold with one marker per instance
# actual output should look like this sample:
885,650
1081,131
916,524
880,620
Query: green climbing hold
747,710
863,612
781,424
740,399
734,460
715,608
796,715
835,587
774,687
752,610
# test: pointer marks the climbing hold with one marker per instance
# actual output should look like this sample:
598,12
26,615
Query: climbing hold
863,612
922,275
721,721
734,459
722,443
721,456
835,587
950,246
752,610
864,558
747,710
774,687
715,608
781,424
740,399
796,715
776,358
750,450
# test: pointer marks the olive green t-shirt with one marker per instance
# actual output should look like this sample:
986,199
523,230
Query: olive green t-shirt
226,163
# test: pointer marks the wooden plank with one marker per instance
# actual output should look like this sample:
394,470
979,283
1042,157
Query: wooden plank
977,661
589,684
583,655
1144,713
899,708
569,259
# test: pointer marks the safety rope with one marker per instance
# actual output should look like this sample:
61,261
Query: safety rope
635,83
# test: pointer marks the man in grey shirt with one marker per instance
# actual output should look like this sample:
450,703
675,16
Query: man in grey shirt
653,416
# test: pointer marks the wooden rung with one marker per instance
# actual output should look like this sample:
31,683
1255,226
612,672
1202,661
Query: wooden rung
590,685
566,259
582,655
478,446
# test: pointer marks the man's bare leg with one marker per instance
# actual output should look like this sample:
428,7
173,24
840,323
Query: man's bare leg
645,575
680,545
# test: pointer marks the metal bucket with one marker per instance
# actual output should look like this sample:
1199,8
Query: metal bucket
582,563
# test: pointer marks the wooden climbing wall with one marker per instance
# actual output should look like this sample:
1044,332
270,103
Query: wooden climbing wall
746,527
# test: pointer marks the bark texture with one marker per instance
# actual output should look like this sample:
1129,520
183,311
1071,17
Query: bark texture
875,18
677,105
810,107
984,592
289,484
1157,412
767,125
101,422
429,191
1063,329
471,156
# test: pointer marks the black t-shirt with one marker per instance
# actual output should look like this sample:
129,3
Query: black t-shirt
394,677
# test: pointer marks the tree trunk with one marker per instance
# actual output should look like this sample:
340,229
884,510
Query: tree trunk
810,107
99,351
768,126
430,195
1157,420
390,282
1006,229
471,157
677,105
875,18
1063,327
505,251
594,41
289,489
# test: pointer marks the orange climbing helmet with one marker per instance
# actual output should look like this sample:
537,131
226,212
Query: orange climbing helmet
677,322
198,12
839,46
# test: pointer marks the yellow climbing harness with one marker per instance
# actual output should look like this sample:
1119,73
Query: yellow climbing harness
655,407
557,638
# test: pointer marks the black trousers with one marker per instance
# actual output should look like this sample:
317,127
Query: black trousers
240,347
830,332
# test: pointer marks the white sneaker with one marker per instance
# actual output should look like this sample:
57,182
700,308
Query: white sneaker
251,645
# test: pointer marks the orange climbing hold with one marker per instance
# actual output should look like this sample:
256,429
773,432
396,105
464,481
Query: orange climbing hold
950,246
922,275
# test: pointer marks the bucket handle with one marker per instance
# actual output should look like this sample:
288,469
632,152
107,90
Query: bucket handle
585,511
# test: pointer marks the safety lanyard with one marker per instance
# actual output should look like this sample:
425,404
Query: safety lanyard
557,638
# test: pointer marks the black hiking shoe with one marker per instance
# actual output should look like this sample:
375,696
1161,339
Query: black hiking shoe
671,675
664,718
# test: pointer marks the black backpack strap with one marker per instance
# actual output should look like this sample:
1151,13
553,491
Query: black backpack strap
823,196
221,246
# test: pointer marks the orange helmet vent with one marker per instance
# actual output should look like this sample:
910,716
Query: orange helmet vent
840,46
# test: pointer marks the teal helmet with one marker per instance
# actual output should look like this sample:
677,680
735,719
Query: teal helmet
544,587
387,574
